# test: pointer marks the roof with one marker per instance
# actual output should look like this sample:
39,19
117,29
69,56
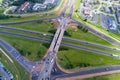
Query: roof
24,5
49,1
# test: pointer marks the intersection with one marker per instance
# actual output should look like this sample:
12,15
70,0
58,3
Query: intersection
49,62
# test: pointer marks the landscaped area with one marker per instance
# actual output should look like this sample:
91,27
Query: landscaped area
49,27
72,58
40,26
33,50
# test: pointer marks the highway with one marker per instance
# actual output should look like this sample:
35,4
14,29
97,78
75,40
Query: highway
100,34
46,70
65,44
16,55
64,38
88,72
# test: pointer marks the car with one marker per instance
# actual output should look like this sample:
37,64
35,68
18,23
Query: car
54,70
44,34
107,69
47,78
46,71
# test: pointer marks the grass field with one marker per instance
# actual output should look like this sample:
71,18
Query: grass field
38,16
72,58
106,77
1,10
15,68
33,50
88,36
46,26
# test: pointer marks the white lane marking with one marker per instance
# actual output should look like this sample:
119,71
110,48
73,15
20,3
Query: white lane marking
6,55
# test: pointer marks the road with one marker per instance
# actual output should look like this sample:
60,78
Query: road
88,72
100,34
67,44
64,38
55,44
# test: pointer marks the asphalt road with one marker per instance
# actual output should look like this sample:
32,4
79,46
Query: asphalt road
87,72
64,38
63,44
92,71
112,41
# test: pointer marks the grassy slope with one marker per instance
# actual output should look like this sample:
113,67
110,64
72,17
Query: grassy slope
87,36
80,58
26,47
40,27
46,27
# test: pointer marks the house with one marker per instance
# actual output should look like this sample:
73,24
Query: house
87,12
23,7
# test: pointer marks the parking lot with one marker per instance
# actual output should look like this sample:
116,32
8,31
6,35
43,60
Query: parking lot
4,73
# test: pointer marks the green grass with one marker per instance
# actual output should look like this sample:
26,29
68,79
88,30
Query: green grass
45,26
1,1
15,68
33,50
79,34
94,47
72,58
37,16
1,9
106,77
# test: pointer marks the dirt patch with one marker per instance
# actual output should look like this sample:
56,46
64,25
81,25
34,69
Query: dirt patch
73,26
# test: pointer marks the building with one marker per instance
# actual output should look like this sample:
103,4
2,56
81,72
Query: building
38,7
49,1
117,13
87,11
24,6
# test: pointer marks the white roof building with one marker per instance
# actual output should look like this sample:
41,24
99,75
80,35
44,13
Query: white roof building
38,6
49,1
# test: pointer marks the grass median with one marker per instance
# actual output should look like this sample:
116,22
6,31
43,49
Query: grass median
33,50
76,59
42,26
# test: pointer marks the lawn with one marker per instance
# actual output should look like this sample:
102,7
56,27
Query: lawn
72,58
1,10
106,77
49,27
15,68
87,36
93,47
45,26
33,50
32,17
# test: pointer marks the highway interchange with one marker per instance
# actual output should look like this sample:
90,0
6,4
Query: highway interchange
49,63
